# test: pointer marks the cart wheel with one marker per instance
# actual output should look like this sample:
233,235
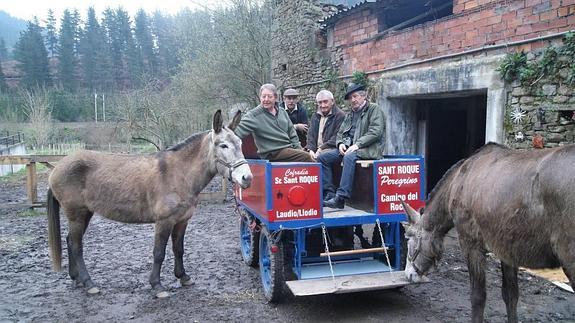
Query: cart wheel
249,240
271,266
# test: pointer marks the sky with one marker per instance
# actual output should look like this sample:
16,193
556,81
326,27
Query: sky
26,9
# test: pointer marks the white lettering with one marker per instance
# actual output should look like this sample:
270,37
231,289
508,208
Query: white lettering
308,179
299,213
294,172
292,180
385,180
408,169
386,170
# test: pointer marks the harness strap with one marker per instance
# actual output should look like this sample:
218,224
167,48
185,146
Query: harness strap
232,166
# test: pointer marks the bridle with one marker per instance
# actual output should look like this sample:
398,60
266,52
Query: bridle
416,254
232,166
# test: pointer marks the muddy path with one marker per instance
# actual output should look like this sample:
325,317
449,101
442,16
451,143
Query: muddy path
119,258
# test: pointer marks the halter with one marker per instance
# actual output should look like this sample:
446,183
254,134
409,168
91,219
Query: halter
232,166
417,252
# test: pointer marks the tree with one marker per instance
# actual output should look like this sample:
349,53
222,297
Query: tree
226,54
3,50
145,44
3,85
51,33
94,55
164,31
38,109
32,57
66,50
130,54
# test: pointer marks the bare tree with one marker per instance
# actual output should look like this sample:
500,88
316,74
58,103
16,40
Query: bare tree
38,109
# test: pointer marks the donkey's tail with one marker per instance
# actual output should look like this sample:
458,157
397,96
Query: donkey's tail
54,236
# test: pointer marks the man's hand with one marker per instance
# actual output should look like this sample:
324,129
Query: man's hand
342,148
312,155
351,149
301,127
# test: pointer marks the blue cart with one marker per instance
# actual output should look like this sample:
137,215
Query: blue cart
302,247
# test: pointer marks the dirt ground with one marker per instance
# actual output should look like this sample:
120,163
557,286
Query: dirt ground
119,258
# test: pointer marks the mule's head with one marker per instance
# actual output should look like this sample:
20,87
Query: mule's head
227,150
424,247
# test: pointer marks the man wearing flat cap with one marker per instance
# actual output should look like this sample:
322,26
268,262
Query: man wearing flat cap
297,113
358,137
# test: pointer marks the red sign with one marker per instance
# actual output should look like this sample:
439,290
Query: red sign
397,181
295,193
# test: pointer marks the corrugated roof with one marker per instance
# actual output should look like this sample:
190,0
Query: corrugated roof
329,20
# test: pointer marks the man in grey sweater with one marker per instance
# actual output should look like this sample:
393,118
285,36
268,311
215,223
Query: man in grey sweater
274,134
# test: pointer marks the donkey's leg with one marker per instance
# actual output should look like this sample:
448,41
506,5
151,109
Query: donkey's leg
510,291
162,234
72,268
566,257
78,223
475,256
178,233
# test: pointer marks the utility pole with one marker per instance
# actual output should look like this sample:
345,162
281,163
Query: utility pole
96,107
104,105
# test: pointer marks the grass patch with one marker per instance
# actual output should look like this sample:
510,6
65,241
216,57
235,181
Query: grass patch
30,213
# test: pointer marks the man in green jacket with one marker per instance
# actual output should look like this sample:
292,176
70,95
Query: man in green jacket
274,134
359,137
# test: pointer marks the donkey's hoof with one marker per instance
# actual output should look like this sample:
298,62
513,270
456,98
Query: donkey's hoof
162,294
186,281
94,290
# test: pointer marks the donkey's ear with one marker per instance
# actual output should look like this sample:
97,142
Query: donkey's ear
218,121
412,214
235,121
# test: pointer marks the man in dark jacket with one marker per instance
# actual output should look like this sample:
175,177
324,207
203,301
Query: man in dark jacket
359,137
297,113
324,124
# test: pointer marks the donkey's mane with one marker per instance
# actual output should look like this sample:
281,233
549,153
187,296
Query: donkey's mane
483,149
191,140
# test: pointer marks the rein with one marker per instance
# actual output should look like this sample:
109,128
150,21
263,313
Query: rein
232,166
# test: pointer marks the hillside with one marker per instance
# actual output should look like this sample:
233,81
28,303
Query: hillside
10,28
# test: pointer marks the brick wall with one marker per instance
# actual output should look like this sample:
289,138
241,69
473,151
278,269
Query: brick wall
474,24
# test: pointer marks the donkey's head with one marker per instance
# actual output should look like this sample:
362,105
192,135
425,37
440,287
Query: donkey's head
227,150
424,246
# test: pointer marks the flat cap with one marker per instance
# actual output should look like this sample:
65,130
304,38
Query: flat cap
352,87
291,92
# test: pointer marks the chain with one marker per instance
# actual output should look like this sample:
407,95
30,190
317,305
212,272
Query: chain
383,244
323,231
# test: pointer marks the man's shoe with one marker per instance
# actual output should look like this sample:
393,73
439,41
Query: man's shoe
335,203
328,196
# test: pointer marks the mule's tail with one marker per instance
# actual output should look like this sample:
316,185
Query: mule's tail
54,236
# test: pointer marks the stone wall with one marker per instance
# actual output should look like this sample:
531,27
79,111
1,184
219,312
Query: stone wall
545,108
299,48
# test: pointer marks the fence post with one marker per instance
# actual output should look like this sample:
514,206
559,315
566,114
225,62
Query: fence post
31,182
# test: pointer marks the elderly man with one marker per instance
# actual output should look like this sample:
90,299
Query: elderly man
359,137
297,113
274,134
324,124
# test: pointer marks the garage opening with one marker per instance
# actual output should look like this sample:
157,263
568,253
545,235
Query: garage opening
450,129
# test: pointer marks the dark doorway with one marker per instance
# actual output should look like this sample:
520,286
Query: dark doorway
455,128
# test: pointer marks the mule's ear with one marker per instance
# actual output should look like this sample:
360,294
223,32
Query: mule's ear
218,121
412,214
235,121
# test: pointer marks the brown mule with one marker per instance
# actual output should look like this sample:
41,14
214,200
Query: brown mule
160,188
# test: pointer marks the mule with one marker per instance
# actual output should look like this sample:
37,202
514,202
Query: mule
160,188
517,204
